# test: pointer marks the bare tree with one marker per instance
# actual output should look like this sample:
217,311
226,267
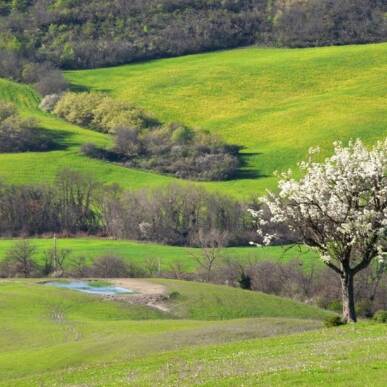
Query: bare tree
110,266
152,266
212,243
54,261
177,268
20,256
79,267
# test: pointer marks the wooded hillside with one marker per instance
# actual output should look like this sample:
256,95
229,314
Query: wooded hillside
84,34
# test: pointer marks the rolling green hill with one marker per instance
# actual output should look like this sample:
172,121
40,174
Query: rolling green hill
214,302
275,102
65,329
80,339
346,356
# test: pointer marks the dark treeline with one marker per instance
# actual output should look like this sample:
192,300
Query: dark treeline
77,204
38,34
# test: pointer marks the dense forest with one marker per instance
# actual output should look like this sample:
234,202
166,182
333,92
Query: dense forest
78,34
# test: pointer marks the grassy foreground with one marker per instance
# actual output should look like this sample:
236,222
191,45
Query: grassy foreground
138,252
275,102
45,331
51,336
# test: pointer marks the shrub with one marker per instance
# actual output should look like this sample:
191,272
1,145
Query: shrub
175,295
48,102
109,266
333,321
19,260
91,150
364,308
128,143
380,316
245,281
21,135
101,112
51,82
335,306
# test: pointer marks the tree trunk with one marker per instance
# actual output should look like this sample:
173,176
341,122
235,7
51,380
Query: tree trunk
349,313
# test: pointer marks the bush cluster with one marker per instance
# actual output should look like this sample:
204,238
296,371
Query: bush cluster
102,113
21,135
179,151
333,321
143,142
381,316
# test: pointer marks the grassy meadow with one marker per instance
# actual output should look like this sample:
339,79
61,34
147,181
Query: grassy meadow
67,330
275,102
138,252
211,335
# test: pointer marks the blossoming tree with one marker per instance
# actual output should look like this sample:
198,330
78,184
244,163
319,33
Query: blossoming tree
338,207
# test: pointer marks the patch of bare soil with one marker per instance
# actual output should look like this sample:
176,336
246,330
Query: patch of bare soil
146,293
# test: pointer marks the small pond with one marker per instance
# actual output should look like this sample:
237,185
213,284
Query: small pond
91,287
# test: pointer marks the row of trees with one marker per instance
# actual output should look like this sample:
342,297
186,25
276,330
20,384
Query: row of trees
39,34
141,141
21,261
76,203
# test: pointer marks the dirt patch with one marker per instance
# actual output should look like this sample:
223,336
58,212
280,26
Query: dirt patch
147,293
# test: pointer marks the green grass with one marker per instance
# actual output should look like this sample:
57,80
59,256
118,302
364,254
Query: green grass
346,356
275,102
46,330
213,302
41,167
140,252
51,336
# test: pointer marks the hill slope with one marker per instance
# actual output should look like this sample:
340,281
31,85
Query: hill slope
275,102
81,339
65,329
346,356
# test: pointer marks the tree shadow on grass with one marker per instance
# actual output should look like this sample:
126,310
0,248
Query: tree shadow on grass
53,139
78,88
246,171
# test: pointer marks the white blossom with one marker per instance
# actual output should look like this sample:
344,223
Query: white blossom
339,206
